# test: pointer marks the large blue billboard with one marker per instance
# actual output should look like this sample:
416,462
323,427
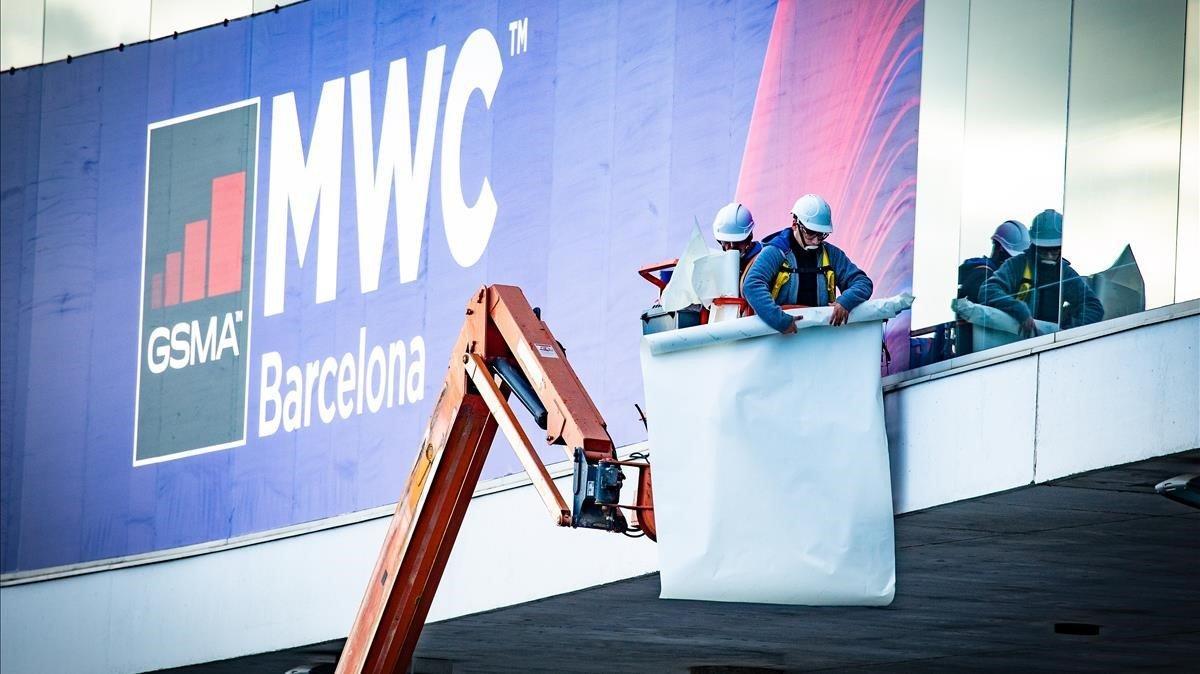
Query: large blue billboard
234,263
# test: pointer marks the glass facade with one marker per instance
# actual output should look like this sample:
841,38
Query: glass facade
1068,183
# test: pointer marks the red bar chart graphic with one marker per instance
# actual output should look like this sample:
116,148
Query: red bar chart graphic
195,242
225,251
210,263
171,269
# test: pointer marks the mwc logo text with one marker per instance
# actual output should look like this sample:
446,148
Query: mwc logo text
299,182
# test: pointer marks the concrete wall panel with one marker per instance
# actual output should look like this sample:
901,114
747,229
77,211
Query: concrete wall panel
945,439
246,600
1119,398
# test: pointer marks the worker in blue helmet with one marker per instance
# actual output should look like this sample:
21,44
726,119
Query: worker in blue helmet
798,266
733,228
1039,284
1010,238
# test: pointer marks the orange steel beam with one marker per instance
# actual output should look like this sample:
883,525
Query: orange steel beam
468,412
647,272
573,419
420,537
512,430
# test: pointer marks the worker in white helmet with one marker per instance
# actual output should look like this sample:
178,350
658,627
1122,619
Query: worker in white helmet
1040,284
733,228
798,267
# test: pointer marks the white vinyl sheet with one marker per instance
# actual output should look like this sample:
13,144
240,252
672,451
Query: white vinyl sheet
771,477
681,289
753,326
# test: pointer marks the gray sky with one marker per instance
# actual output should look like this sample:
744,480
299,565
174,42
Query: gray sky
40,31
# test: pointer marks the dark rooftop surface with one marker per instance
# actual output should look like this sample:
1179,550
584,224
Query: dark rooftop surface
1092,572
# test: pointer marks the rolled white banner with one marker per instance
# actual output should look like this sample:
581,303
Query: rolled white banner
753,326
991,317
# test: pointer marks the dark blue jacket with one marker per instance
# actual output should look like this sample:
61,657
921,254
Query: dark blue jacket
972,274
855,286
1000,291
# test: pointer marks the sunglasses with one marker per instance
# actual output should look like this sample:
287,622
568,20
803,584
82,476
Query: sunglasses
819,236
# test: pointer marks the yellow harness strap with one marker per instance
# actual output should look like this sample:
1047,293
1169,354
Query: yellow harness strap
830,278
781,279
785,274
1026,284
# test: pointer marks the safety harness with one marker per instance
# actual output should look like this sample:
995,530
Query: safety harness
1026,286
830,277
785,274
823,268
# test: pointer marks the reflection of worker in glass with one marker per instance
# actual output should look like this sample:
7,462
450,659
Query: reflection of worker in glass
1039,284
1010,238
733,228
797,266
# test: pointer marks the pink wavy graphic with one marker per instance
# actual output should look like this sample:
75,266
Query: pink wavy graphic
836,115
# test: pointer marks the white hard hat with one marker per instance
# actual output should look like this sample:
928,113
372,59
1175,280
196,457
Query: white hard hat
1012,237
733,223
813,212
1047,230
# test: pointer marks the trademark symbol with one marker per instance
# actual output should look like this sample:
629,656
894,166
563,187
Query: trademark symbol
518,36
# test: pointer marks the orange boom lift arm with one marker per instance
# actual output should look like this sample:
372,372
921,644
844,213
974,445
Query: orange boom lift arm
504,349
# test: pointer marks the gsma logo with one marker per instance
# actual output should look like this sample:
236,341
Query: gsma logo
197,253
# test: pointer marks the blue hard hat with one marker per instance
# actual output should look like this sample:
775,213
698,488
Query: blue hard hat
1012,237
1047,229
